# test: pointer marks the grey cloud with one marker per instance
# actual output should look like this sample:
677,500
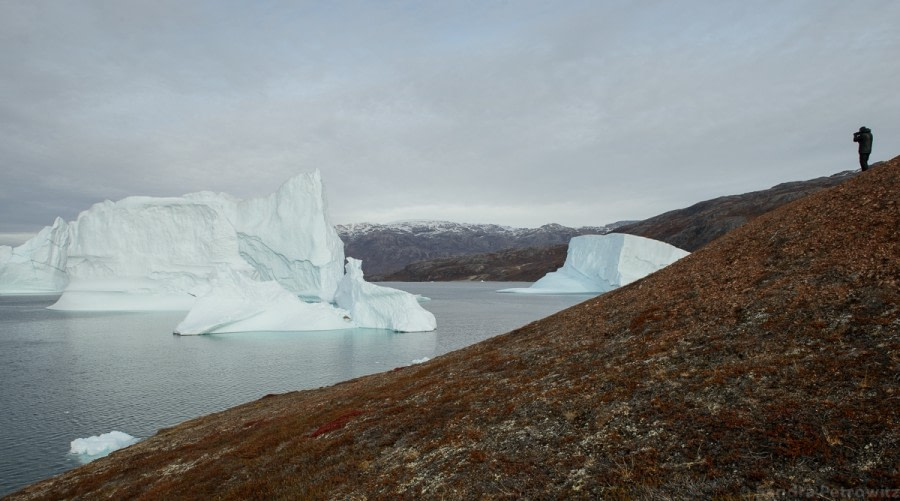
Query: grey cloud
530,112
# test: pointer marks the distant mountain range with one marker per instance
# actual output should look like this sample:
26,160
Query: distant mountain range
450,251
388,248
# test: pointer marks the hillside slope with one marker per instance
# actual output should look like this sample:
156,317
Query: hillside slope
693,227
766,362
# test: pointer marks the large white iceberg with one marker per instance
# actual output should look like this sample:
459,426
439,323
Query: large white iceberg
39,265
159,253
600,263
269,263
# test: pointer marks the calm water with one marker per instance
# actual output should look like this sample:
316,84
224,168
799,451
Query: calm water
65,376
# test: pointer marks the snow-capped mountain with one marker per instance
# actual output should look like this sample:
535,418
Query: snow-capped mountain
385,248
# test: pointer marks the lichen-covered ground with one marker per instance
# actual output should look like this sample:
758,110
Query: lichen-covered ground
765,364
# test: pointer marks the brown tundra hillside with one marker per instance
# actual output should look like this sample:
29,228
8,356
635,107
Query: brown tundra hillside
766,363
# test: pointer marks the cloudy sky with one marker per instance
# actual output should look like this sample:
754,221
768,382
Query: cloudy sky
511,112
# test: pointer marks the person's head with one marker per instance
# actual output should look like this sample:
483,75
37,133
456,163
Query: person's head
862,129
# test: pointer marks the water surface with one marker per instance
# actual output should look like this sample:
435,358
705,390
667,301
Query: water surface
72,375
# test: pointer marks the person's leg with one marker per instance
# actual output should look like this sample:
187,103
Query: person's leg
864,161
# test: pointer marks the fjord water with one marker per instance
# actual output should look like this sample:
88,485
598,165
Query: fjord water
65,376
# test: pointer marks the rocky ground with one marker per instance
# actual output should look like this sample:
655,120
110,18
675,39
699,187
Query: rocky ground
765,364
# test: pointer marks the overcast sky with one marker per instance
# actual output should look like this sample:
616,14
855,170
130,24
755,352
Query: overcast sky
512,112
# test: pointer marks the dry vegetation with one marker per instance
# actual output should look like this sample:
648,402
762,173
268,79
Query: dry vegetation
764,364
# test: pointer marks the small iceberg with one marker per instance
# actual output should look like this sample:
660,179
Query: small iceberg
91,448
600,263
375,307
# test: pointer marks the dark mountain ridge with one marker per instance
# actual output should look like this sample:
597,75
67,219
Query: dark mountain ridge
510,265
765,365
386,248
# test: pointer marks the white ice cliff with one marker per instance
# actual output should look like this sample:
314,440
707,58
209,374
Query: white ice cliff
600,263
270,263
37,266
159,253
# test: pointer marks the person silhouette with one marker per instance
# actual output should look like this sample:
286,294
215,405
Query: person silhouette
864,138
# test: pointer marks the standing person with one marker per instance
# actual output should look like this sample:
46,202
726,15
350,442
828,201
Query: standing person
864,138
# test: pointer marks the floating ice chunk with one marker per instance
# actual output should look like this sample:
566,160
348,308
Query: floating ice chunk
236,303
91,448
380,307
600,263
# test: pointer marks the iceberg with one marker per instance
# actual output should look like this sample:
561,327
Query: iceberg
287,237
91,448
268,263
379,307
236,303
39,265
600,263
150,253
